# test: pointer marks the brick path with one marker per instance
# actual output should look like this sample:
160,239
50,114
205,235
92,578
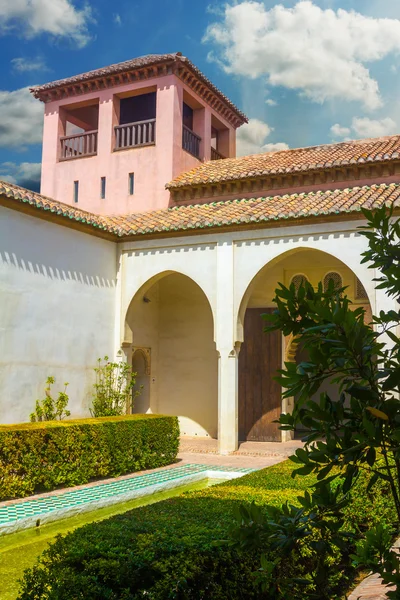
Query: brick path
210,446
369,589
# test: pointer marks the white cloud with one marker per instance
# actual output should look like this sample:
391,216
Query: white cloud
338,131
25,174
320,52
270,102
59,18
251,139
363,127
21,119
275,147
117,19
28,64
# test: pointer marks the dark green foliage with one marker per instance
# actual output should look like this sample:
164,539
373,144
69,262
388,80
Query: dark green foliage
173,550
359,434
43,456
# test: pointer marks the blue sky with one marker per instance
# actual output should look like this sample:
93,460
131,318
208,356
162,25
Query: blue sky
305,72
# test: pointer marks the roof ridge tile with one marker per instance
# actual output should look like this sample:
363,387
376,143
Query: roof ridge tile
293,160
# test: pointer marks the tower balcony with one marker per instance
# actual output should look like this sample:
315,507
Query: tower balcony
133,135
79,145
191,141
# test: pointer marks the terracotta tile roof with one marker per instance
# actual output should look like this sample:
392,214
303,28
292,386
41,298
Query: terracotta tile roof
232,213
134,63
43,203
259,210
291,161
148,60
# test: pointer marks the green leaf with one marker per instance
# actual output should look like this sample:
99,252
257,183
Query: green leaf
371,456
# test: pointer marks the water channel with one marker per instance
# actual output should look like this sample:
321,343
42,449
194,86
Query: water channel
19,551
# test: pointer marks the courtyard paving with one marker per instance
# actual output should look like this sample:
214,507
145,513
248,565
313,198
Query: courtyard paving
370,589
208,445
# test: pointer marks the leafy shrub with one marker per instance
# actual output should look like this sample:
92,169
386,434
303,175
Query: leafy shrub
113,388
172,549
369,507
50,409
42,456
358,432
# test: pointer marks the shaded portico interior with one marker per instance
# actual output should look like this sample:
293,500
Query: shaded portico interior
171,321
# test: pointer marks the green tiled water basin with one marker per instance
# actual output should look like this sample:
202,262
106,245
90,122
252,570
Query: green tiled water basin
24,514
18,551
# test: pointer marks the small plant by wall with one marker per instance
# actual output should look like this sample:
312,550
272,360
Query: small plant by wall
50,409
35,457
113,389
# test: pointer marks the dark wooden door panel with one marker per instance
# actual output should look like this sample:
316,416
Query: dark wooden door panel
259,395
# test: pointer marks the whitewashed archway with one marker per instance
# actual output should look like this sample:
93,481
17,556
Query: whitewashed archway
171,318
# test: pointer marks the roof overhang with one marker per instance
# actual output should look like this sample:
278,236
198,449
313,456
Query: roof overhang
141,69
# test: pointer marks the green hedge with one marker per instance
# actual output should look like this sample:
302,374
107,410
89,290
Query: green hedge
168,550
35,457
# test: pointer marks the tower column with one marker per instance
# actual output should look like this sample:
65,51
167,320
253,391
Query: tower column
107,120
228,350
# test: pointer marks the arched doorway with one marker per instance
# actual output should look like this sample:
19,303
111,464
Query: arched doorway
171,317
261,355
141,365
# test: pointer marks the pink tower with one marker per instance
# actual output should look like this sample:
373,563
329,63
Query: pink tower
115,136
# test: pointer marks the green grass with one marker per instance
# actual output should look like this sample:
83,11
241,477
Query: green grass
173,549
19,551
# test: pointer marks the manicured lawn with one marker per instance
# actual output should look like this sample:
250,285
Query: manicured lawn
172,549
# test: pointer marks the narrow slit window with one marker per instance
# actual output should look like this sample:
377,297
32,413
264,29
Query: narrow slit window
76,191
131,183
102,188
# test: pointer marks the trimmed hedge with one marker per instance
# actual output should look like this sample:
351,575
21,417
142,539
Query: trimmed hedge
168,550
35,457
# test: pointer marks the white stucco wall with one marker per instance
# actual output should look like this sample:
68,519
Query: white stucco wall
57,305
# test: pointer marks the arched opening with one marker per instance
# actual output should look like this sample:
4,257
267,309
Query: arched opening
170,317
261,354
333,278
298,280
141,392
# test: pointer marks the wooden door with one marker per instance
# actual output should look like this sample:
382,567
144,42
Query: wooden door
259,395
